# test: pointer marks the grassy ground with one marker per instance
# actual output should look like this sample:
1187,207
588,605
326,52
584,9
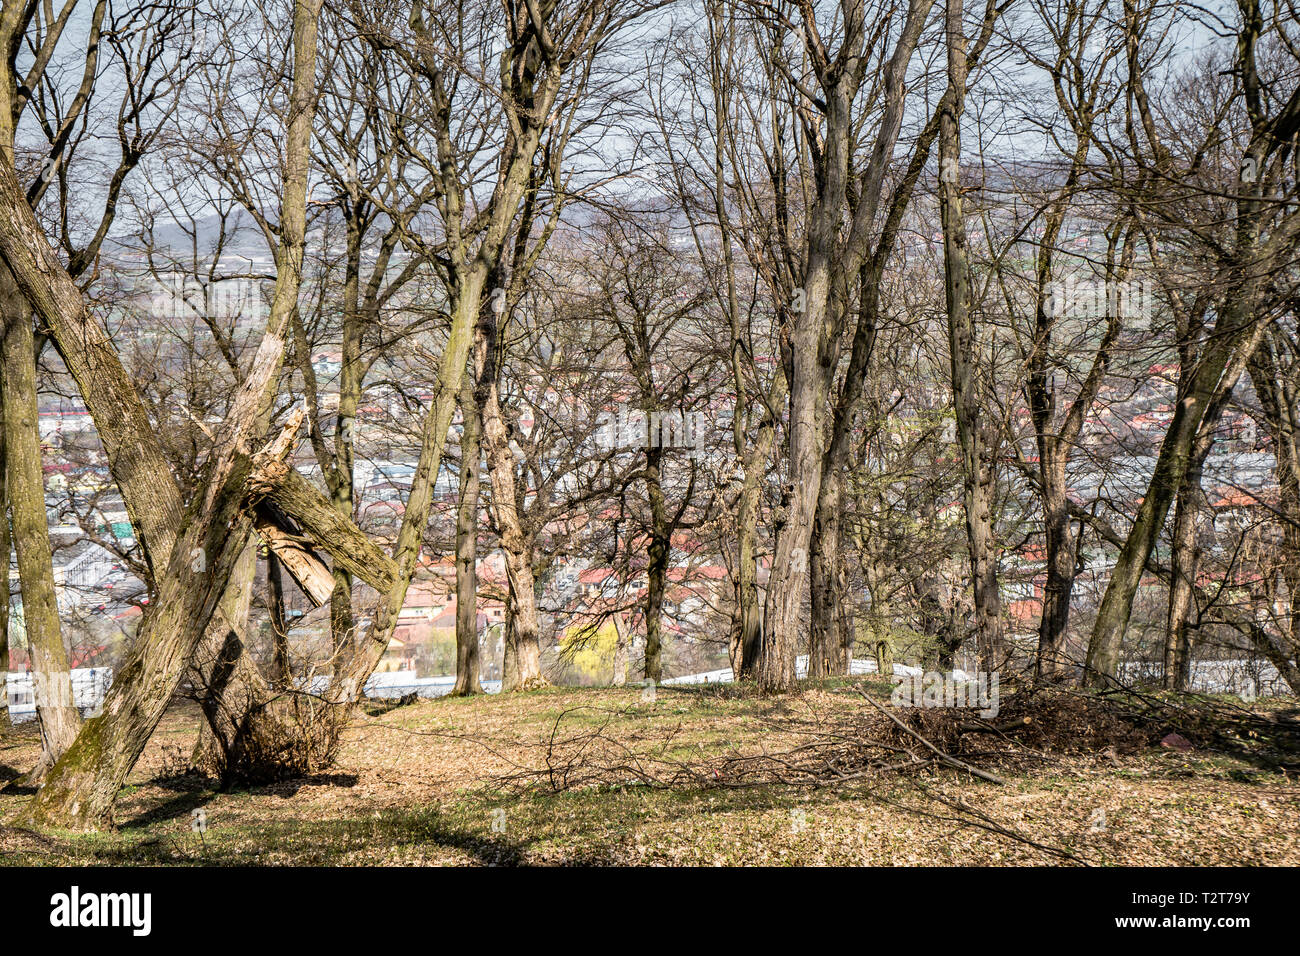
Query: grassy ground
441,782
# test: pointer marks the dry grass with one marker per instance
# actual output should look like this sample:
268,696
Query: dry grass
447,782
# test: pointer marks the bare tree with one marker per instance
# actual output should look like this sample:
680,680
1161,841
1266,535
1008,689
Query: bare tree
83,784
1262,237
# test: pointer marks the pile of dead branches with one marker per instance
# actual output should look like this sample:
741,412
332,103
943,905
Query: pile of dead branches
291,736
590,755
1032,725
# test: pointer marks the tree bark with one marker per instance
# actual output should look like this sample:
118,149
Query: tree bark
658,551
509,646
281,674
973,436
6,550
467,656
279,485
884,654
522,638
747,617
1184,560
82,787
809,378
212,674
56,710
300,560
619,678
1277,395
831,260
1184,564
342,621
1061,558
826,647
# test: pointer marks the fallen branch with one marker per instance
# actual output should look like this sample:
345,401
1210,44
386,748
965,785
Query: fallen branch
939,754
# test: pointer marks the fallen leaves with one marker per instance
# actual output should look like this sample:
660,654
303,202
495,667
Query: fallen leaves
416,786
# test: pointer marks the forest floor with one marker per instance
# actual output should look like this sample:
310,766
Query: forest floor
694,776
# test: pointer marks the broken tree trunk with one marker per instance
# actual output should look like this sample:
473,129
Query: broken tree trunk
323,527
299,559
84,783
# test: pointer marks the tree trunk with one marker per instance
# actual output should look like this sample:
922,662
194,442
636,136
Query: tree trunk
342,624
281,675
974,438
1055,444
654,602
747,617
884,654
657,555
879,624
1212,373
211,673
522,639
509,646
811,360
788,580
826,647
83,785
619,678
831,260
351,548
467,662
830,649
1245,267
1061,563
847,623
6,549
342,621
1286,661
1184,564
1277,395
410,537
470,268
752,457
56,710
